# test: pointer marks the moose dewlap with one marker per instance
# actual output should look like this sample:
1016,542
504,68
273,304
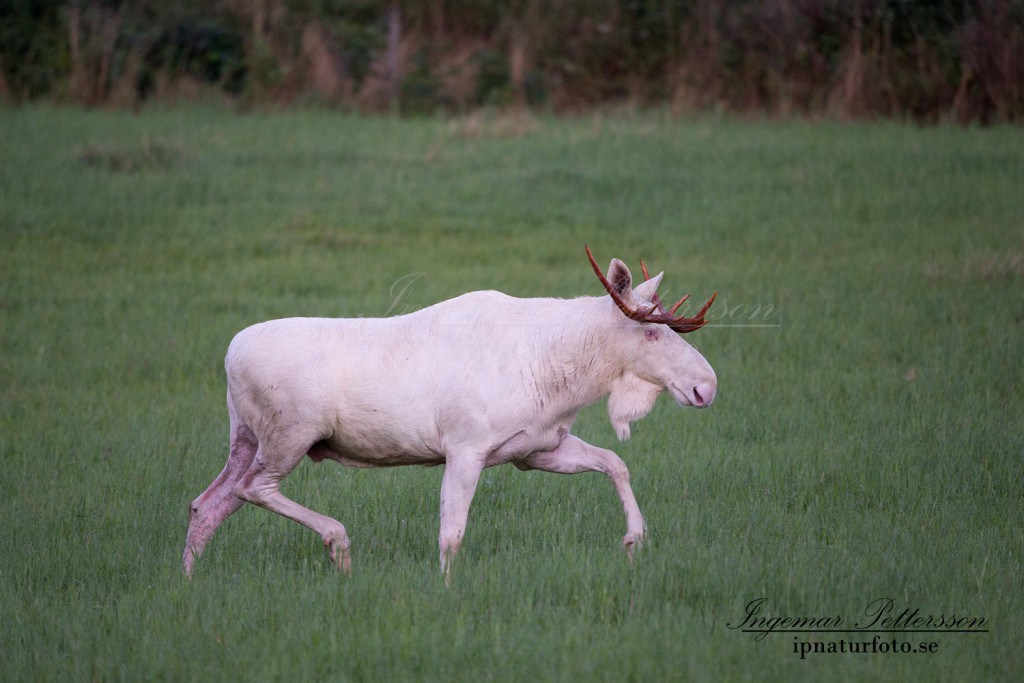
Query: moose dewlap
480,380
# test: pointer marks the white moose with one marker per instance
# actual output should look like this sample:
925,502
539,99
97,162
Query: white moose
476,381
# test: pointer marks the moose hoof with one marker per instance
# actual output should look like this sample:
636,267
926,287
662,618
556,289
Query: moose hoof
340,555
631,542
186,564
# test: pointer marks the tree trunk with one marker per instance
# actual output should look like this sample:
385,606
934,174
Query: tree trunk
394,50
76,80
92,38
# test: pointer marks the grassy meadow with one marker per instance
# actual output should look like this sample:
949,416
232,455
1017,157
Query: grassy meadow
867,441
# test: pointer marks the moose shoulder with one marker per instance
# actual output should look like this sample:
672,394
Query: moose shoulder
476,381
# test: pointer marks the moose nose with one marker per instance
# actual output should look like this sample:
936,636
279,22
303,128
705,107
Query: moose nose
704,394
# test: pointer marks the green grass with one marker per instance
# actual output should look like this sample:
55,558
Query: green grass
866,443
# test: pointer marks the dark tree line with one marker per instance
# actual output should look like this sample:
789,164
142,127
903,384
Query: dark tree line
923,59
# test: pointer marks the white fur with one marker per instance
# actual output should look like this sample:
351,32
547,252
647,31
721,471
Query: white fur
472,382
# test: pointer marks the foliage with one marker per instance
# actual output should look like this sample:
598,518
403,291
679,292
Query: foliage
926,60
209,52
33,50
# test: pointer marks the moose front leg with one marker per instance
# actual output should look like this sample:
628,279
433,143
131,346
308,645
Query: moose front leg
457,488
573,456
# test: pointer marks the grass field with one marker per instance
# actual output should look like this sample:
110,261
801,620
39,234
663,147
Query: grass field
867,440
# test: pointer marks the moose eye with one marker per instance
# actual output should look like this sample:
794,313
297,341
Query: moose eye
651,334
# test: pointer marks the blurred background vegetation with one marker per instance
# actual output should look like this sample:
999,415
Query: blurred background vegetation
927,60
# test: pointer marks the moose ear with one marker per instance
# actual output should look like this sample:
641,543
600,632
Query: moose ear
646,290
621,279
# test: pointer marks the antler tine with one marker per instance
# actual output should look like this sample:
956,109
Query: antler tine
656,300
656,313
676,305
684,325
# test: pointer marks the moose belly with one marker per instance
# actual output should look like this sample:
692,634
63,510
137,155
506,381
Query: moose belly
327,450
508,449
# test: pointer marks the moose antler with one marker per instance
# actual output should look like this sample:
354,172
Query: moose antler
656,313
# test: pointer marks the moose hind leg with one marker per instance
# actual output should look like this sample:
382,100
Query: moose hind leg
218,501
261,486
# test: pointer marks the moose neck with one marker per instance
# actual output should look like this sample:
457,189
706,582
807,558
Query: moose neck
583,358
